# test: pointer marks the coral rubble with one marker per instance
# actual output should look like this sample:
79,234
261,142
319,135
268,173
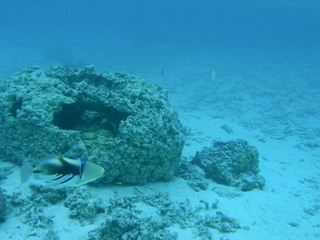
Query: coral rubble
126,219
83,205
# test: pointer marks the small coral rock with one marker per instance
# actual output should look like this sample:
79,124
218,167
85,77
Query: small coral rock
232,163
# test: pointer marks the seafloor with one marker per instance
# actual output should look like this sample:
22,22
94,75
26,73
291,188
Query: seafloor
271,103
255,77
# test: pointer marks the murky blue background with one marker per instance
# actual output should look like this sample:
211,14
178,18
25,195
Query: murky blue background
150,37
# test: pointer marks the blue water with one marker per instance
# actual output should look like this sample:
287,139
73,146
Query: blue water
265,54
142,37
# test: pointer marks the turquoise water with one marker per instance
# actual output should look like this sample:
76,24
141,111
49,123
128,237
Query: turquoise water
142,37
233,70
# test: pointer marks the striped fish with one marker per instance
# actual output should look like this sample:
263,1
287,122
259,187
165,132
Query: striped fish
63,171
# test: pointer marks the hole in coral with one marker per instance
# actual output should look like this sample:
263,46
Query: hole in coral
79,117
16,105
96,124
68,118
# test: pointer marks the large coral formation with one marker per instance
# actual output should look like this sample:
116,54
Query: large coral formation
232,163
119,121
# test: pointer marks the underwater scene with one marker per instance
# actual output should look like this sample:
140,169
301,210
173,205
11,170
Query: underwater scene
160,119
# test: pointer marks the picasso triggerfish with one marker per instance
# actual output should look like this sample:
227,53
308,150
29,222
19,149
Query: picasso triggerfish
63,171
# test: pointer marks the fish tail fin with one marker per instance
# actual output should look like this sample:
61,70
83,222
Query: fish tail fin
25,171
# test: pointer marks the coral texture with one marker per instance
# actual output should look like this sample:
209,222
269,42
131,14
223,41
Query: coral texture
3,206
194,177
118,121
232,163
84,206
127,219
140,216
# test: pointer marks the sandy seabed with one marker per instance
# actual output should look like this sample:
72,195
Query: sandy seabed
280,119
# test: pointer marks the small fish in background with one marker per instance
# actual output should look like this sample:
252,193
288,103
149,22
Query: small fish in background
213,76
63,171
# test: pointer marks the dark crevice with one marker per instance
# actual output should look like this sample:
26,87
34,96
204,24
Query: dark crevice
82,116
16,105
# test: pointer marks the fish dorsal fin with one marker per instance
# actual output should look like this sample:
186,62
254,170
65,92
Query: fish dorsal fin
48,158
